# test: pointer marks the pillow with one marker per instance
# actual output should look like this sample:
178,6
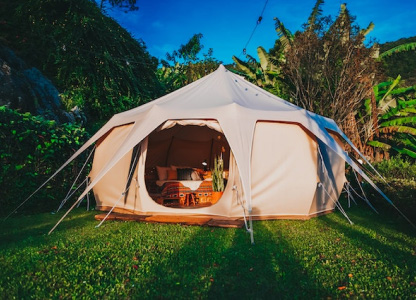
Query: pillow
195,175
185,174
162,172
172,175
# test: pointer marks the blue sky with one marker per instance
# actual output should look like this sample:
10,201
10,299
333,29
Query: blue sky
227,25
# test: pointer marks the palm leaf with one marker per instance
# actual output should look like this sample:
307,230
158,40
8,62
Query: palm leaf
404,90
402,129
379,144
244,67
285,36
264,58
399,121
316,12
406,152
406,103
369,28
400,48
383,104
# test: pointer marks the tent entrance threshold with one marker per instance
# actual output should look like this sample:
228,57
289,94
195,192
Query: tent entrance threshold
175,219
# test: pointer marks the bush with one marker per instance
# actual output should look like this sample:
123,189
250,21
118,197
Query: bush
32,149
397,168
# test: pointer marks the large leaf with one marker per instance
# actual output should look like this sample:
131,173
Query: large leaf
406,152
264,58
285,36
379,145
369,28
244,67
400,48
385,102
399,121
317,11
402,129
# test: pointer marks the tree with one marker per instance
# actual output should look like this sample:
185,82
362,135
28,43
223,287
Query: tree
94,63
187,64
126,5
328,66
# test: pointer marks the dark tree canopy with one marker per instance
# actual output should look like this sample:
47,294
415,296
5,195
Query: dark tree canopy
127,5
95,63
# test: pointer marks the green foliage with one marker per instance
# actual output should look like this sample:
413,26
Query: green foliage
126,5
397,168
94,62
395,108
187,65
399,58
267,72
31,150
322,258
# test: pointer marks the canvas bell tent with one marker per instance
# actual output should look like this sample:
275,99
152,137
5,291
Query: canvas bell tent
280,161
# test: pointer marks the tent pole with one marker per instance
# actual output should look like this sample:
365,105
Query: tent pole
250,220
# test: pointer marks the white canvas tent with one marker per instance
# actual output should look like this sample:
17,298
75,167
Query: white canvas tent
283,161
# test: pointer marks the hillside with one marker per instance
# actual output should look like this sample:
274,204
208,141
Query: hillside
94,63
403,63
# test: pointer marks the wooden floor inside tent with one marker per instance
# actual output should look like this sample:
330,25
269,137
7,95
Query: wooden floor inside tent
174,219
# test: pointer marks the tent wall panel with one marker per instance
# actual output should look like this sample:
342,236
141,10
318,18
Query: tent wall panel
112,185
284,169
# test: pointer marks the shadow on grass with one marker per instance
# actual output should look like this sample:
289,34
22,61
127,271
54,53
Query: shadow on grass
152,261
221,263
268,269
18,228
372,239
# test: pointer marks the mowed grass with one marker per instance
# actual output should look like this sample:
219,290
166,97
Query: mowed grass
321,258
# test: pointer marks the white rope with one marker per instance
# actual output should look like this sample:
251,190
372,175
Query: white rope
337,204
364,199
73,192
359,183
249,228
88,200
350,197
79,199
111,210
88,197
242,206
76,179
73,205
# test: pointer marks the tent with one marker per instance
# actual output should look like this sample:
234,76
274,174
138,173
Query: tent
282,161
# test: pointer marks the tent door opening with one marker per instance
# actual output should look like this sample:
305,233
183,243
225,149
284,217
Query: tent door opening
181,156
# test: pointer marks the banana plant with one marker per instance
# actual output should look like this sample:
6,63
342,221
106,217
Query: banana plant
264,73
396,118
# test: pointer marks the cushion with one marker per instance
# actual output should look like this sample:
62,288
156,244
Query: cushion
162,172
195,175
185,174
172,175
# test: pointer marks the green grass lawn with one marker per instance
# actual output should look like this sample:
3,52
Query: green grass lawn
324,257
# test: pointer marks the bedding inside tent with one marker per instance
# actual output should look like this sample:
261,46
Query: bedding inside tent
180,155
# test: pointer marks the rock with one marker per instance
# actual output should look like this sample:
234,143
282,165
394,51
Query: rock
28,90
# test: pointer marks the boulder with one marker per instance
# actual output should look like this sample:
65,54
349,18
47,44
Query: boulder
26,89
